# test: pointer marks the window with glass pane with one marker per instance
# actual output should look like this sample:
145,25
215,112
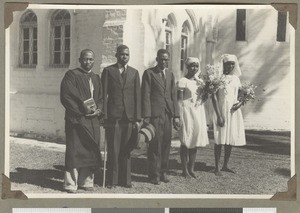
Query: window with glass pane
241,25
60,44
28,40
168,40
183,46
281,26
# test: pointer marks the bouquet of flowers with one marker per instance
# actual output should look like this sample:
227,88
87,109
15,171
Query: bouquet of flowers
212,83
246,92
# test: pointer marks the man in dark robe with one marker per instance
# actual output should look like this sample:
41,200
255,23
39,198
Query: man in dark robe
159,107
122,109
81,96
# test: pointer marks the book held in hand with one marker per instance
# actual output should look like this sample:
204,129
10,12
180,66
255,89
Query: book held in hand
90,105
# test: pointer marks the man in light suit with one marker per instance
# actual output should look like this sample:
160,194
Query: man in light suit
122,109
159,106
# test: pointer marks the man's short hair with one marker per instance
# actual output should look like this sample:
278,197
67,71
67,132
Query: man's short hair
86,51
162,51
122,47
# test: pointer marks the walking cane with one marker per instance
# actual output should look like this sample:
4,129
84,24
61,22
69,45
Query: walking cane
104,162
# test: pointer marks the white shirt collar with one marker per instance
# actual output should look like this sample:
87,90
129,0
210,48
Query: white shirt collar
164,70
120,67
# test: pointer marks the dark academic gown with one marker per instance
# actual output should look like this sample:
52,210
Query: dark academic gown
82,133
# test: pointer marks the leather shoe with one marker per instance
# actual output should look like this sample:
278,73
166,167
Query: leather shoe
89,189
110,186
71,191
128,185
164,178
154,181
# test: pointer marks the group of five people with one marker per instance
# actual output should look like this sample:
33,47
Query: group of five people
123,104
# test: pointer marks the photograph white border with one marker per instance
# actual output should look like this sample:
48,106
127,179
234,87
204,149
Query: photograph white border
147,196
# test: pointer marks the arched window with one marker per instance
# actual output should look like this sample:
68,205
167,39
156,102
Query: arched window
60,39
169,37
184,44
28,40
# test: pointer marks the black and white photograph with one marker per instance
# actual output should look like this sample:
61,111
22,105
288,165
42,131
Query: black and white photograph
175,101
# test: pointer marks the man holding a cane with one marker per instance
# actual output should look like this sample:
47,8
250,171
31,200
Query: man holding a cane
81,96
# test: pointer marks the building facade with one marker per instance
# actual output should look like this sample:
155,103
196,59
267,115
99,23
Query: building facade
45,43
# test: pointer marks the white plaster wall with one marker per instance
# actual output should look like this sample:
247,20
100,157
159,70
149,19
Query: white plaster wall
264,62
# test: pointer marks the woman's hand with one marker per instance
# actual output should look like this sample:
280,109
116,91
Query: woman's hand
177,123
235,107
220,121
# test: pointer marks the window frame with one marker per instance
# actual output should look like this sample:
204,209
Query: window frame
169,30
184,48
62,24
32,40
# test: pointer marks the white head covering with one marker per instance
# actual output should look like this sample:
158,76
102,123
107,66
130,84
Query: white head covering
228,57
191,60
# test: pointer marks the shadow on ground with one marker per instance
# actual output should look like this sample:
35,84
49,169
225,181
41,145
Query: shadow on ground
283,172
47,178
272,144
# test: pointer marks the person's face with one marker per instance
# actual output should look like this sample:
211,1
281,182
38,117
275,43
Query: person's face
123,56
228,67
193,69
162,60
87,61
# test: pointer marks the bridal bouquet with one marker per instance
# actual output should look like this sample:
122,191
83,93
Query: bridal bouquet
212,83
246,92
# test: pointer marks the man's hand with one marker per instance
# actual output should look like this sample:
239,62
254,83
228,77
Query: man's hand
89,109
136,124
97,112
220,121
146,120
177,123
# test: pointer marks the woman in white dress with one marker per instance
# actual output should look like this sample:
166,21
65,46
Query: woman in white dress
228,119
193,131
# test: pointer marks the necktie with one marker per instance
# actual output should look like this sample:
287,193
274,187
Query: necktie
123,74
163,77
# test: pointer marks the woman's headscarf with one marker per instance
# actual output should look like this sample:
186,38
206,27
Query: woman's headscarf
228,57
191,60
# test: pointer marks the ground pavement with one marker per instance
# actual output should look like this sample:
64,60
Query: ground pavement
262,167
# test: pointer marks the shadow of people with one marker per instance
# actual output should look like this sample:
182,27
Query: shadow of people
283,171
46,178
139,166
268,143
176,167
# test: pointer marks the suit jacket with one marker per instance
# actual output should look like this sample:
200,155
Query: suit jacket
158,95
121,95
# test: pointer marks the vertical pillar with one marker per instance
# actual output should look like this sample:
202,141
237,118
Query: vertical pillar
113,31
74,53
211,39
42,40
133,37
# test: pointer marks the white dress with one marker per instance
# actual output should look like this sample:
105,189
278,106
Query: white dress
193,132
233,131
